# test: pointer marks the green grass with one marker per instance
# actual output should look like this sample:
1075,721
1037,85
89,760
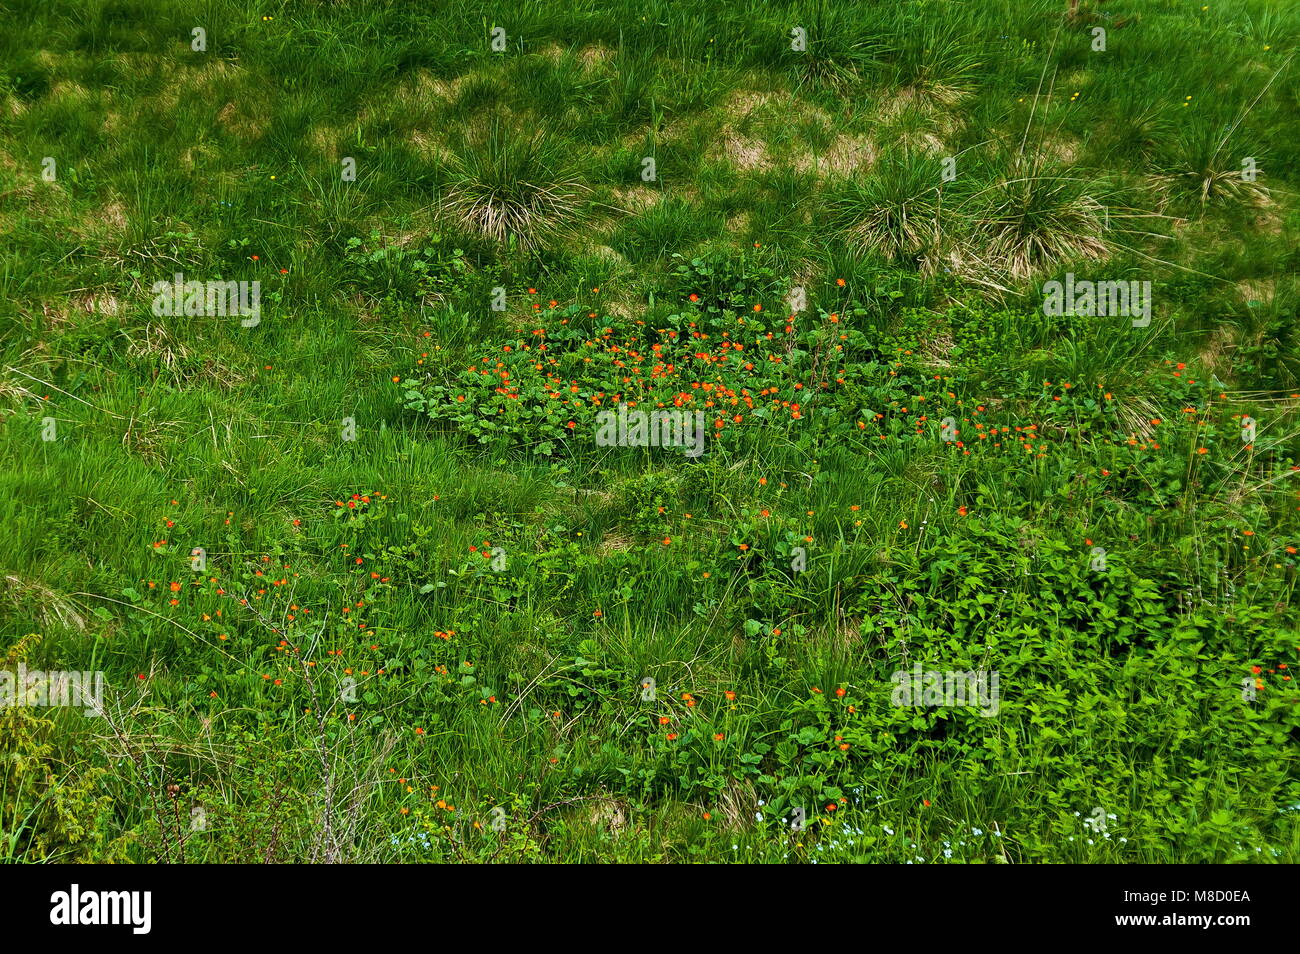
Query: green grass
428,601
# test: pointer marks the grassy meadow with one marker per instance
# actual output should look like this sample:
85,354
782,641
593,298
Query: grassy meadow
362,581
